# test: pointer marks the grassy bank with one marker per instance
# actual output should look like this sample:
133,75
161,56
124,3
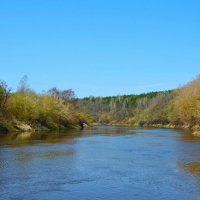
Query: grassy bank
26,110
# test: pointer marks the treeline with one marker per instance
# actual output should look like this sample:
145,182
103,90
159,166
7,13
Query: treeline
27,110
113,109
180,108
61,109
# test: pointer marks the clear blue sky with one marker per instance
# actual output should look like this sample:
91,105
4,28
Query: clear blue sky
100,47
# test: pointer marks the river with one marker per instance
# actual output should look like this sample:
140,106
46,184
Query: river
104,162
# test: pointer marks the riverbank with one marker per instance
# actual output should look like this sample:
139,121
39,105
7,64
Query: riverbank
195,130
25,110
179,108
17,126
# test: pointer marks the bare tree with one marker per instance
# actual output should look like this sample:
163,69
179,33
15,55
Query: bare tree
23,85
65,95
68,94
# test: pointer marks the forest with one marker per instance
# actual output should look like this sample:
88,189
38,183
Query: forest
173,108
25,110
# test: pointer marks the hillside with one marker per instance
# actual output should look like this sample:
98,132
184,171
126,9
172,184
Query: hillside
173,108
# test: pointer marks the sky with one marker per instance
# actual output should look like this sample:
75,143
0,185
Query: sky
100,47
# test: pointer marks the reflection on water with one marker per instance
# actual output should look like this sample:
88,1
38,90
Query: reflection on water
104,162
192,167
27,156
28,138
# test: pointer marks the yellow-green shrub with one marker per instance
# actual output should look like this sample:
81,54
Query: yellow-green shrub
23,106
187,102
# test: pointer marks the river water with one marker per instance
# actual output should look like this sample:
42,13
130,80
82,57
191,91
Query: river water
105,162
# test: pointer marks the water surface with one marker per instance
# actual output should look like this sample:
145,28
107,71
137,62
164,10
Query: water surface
105,162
